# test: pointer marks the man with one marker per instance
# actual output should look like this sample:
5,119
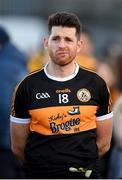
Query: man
61,118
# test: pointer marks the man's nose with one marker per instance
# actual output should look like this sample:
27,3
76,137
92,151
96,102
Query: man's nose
62,43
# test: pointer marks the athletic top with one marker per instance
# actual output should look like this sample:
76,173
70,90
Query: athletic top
62,113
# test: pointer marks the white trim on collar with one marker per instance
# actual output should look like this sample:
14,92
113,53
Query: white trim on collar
61,79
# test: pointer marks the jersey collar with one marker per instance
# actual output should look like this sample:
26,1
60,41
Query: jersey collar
62,79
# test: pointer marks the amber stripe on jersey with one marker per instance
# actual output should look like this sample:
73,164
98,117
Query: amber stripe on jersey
63,120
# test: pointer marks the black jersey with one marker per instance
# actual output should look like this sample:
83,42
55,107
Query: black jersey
62,114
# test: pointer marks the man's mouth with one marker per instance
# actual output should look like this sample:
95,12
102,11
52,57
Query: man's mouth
62,52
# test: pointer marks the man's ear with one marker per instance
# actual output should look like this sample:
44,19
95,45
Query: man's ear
79,45
45,42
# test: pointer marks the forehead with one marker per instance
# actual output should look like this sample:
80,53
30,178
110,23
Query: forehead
63,31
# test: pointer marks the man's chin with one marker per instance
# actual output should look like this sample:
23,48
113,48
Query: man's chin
63,63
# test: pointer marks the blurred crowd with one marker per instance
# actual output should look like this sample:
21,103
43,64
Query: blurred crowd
15,65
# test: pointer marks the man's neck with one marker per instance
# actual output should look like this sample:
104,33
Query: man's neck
61,71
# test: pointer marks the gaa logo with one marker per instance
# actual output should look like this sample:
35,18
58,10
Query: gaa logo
83,95
44,95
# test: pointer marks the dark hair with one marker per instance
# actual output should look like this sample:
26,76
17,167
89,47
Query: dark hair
64,19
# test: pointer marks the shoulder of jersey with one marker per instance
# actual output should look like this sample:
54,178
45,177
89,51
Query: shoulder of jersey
91,72
32,75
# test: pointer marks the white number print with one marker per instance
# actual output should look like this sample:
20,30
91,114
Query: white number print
63,98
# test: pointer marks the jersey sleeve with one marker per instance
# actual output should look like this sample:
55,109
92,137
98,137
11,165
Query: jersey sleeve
105,102
19,110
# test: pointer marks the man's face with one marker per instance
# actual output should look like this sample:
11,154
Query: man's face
62,45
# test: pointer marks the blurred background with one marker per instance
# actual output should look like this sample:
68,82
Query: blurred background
23,25
26,19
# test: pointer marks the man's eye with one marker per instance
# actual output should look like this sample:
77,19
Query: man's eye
68,39
55,38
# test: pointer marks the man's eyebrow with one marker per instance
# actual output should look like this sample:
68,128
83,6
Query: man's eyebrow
54,36
67,37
